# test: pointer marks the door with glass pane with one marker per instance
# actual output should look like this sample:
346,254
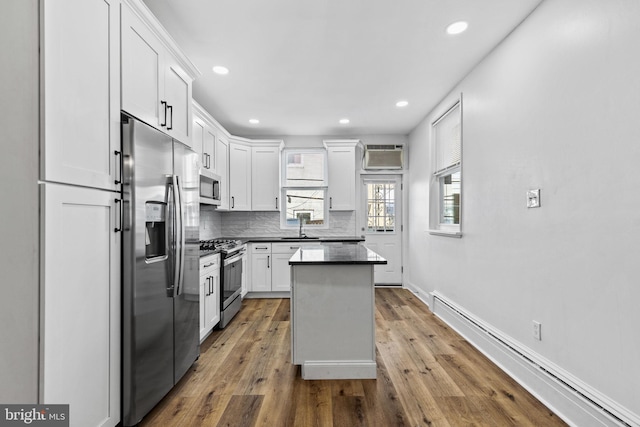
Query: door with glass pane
381,224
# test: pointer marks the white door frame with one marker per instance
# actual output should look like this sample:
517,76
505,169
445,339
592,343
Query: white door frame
399,217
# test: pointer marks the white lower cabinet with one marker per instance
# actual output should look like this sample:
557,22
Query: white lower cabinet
260,267
270,270
80,303
209,294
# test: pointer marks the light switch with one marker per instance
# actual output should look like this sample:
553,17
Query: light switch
533,198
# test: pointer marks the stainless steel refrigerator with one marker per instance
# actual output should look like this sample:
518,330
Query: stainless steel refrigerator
160,298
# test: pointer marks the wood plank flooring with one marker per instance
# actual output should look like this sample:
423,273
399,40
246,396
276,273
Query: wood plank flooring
427,376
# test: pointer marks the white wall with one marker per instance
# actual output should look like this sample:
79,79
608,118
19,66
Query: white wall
555,107
19,205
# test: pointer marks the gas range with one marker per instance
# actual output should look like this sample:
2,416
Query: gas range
224,246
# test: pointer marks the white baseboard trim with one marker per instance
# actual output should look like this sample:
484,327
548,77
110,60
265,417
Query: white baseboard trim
423,296
575,402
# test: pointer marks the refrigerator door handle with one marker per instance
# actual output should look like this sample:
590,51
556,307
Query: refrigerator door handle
180,238
171,233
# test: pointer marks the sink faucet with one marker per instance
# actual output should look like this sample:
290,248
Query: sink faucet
300,233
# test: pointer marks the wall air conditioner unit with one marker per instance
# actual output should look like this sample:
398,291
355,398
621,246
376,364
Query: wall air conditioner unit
383,156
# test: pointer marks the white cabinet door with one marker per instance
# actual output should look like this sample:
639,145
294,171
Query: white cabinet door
239,177
261,272
222,169
204,290
197,139
177,94
80,303
342,178
281,272
265,178
81,69
142,70
208,148
213,300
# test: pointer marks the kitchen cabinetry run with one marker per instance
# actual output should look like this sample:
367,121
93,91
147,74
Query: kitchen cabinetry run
341,158
209,294
239,176
265,178
270,271
156,76
80,303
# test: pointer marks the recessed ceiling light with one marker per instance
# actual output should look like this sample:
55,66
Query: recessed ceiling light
344,121
219,69
402,103
254,121
457,27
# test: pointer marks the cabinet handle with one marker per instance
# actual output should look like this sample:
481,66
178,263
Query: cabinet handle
330,202
294,247
233,202
170,107
208,161
261,248
118,179
164,103
119,228
276,203
268,263
210,285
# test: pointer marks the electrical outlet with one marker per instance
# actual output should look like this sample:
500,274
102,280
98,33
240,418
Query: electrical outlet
533,198
537,330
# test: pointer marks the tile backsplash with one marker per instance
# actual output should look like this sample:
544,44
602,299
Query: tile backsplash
266,224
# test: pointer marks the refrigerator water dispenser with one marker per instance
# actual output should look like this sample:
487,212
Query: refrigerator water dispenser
155,230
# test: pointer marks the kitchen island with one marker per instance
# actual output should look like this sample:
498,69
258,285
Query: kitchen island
333,311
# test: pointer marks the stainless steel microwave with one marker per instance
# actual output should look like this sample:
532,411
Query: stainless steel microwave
209,188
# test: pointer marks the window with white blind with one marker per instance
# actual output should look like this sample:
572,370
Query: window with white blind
446,134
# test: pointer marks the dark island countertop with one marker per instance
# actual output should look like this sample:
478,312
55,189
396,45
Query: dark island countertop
332,254
286,239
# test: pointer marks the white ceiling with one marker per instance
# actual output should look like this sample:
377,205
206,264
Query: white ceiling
301,65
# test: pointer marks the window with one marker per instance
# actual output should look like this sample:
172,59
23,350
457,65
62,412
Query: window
304,188
381,213
446,134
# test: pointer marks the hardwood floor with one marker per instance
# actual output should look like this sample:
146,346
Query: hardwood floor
427,376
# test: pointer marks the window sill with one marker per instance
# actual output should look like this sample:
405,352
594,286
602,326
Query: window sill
446,233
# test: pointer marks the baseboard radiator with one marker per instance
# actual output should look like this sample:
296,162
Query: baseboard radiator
572,400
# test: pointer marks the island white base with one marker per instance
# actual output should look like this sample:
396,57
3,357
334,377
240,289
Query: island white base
332,321
338,370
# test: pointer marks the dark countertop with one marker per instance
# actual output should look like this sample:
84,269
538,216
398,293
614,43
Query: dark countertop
332,254
321,239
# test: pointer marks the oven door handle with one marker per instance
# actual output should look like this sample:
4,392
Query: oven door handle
234,258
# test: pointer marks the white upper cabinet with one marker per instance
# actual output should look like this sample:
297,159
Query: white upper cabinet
209,147
197,138
341,158
156,76
204,137
239,176
80,81
265,177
